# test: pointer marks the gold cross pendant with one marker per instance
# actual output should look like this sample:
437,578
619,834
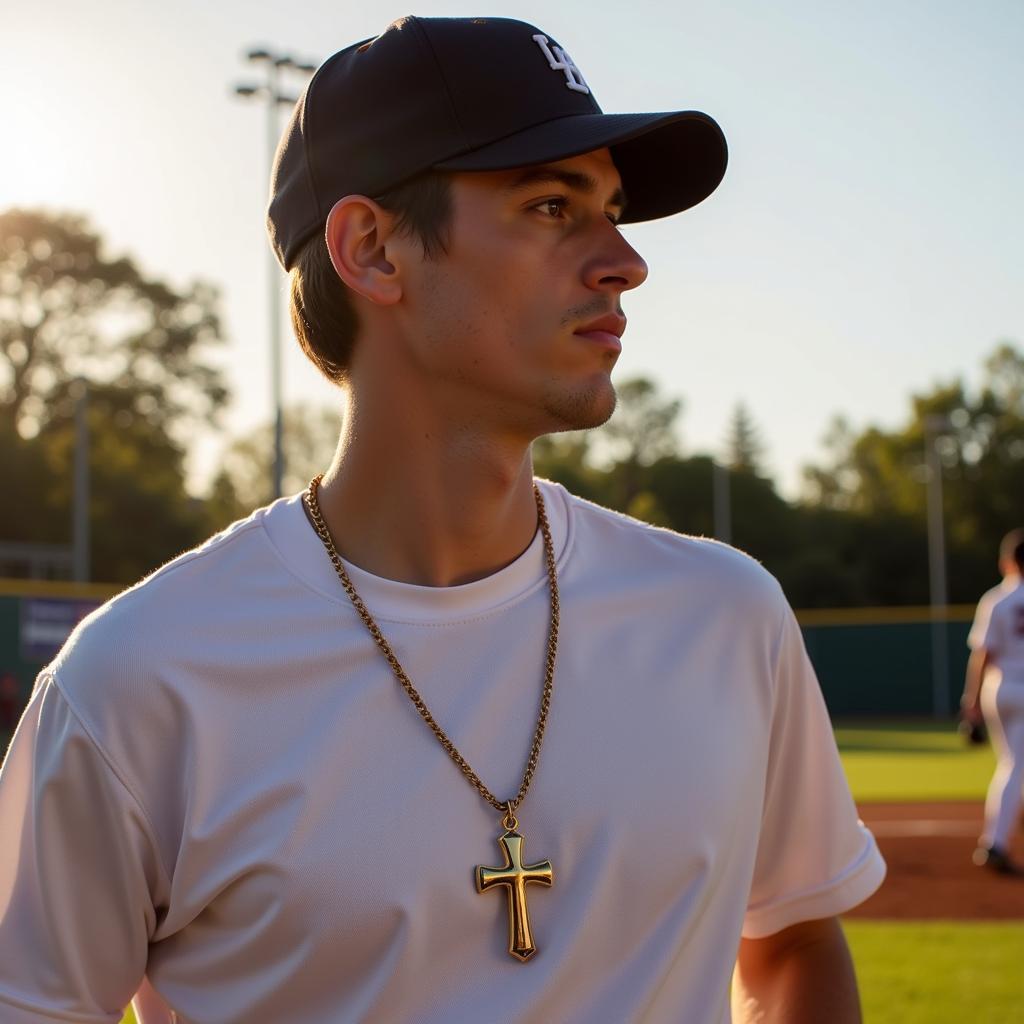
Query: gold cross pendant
515,875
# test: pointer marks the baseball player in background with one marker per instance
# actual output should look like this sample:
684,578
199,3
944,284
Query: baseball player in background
994,690
433,741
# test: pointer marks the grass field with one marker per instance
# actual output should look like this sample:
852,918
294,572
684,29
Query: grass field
912,761
938,972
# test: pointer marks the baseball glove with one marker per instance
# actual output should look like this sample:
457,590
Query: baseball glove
972,732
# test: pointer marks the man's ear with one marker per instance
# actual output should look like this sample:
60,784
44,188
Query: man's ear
357,230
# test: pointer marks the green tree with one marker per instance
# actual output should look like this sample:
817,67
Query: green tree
744,446
567,459
245,479
139,511
646,506
682,489
30,516
832,486
641,431
68,310
643,426
643,474
880,476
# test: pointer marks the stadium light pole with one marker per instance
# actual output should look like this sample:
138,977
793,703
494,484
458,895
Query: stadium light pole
80,541
270,92
937,589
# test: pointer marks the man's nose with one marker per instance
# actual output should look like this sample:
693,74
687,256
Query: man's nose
616,265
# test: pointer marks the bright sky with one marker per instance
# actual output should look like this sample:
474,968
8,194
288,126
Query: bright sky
866,242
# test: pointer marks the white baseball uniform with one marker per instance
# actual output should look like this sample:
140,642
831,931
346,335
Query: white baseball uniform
999,629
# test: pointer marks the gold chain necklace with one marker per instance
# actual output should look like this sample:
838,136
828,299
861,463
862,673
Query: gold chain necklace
514,874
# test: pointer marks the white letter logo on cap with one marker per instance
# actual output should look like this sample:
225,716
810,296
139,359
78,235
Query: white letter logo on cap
561,61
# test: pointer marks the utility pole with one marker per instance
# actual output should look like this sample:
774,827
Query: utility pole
270,92
937,589
80,541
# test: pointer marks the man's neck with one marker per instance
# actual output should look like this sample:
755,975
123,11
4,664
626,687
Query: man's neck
427,505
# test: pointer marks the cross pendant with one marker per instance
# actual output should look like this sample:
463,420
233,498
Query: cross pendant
515,875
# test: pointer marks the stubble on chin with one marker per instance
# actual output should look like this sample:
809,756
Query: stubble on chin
588,405
580,409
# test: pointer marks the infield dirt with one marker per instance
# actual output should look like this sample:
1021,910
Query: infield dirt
928,848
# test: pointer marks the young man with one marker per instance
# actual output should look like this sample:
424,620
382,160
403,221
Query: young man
434,741
994,693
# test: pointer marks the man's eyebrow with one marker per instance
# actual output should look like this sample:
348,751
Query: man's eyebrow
575,180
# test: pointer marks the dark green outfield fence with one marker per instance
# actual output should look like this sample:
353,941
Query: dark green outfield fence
871,661
879,661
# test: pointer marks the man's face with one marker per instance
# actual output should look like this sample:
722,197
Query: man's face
516,325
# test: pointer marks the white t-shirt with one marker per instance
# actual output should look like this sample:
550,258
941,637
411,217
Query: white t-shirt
220,786
1003,635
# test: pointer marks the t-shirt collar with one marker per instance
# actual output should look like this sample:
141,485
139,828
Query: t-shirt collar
303,553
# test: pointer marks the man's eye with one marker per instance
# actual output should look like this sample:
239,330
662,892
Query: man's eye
552,207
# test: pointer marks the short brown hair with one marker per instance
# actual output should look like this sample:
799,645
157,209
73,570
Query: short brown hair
1011,549
323,316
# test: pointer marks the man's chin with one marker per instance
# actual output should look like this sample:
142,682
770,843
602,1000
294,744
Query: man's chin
582,409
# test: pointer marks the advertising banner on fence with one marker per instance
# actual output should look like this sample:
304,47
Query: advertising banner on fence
46,622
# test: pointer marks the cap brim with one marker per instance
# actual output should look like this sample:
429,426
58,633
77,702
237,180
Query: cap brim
668,162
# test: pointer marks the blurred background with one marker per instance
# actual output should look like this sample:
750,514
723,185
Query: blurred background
825,367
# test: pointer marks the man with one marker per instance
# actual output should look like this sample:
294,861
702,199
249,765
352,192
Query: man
994,693
245,780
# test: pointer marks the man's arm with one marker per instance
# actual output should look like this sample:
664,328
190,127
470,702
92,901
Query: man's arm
800,975
79,872
970,702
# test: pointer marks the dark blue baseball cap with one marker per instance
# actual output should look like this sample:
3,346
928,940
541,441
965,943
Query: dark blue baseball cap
470,94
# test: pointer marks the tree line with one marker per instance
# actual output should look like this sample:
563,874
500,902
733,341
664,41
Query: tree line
72,316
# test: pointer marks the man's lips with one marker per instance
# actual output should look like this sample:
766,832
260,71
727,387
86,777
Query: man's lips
605,331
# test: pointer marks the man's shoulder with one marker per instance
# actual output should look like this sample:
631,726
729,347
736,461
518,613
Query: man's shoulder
169,608
634,547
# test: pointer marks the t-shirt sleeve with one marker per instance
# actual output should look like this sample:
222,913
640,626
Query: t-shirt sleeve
77,870
814,857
